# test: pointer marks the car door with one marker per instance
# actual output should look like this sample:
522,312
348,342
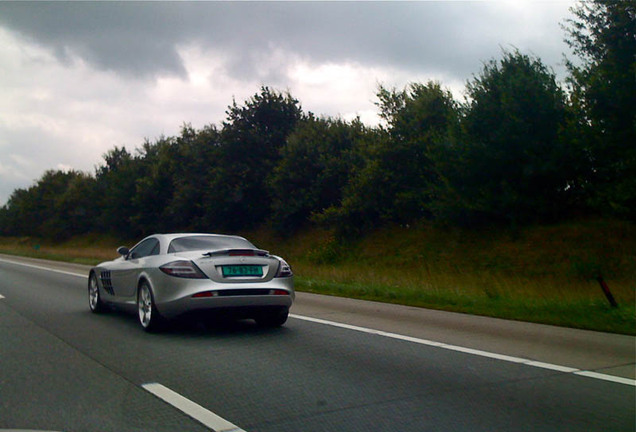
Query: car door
126,273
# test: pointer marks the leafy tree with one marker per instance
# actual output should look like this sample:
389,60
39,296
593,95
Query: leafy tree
603,35
196,159
510,164
5,221
17,215
251,139
154,186
420,120
41,210
313,170
395,179
116,189
77,210
360,206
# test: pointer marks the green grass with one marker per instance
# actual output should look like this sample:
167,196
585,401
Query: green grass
591,314
540,274
89,250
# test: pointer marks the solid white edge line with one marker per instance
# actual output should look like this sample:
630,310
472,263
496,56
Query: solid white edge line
600,376
510,359
44,268
1,296
194,410
554,367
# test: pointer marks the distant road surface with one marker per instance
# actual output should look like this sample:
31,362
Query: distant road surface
337,365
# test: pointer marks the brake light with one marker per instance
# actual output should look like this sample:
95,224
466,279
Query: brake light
206,294
278,292
284,269
182,269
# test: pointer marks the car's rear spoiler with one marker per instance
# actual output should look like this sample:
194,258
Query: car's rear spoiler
237,252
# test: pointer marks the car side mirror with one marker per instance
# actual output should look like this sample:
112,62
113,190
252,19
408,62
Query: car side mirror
123,251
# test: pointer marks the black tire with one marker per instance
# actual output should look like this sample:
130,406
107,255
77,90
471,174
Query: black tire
275,318
95,302
147,313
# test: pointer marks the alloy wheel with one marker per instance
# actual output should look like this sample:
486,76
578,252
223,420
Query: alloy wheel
145,306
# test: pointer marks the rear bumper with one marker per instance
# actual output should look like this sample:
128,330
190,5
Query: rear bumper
241,305
178,299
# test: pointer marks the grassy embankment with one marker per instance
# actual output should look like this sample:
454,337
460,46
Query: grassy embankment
541,274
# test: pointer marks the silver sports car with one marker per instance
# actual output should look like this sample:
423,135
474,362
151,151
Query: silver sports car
168,275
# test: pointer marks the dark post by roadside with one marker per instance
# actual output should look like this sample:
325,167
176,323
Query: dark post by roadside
607,292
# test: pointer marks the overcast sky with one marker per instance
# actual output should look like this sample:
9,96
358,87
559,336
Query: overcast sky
78,78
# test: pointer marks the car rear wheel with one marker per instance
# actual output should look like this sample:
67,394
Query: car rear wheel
94,298
149,317
274,318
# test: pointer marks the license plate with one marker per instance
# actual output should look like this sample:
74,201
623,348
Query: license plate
242,270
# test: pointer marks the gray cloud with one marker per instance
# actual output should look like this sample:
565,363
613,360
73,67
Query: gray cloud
134,39
141,38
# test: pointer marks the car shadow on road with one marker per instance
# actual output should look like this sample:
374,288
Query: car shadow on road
192,326
218,327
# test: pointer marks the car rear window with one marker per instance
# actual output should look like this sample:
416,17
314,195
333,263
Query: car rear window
208,243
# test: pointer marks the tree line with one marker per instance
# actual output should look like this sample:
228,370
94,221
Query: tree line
521,149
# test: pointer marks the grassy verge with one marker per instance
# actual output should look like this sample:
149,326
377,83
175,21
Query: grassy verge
591,313
89,250
541,274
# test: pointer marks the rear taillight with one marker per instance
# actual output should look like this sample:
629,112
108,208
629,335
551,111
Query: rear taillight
182,269
205,294
284,269
278,292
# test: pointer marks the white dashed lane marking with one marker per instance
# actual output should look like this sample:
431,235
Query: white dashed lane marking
194,410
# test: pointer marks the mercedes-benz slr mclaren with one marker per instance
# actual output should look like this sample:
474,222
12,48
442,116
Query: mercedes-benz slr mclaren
166,276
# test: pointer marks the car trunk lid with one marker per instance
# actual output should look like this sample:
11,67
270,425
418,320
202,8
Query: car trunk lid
238,265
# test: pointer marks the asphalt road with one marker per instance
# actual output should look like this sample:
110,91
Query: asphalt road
65,369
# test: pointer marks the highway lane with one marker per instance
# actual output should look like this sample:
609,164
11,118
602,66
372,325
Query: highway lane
66,369
47,383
